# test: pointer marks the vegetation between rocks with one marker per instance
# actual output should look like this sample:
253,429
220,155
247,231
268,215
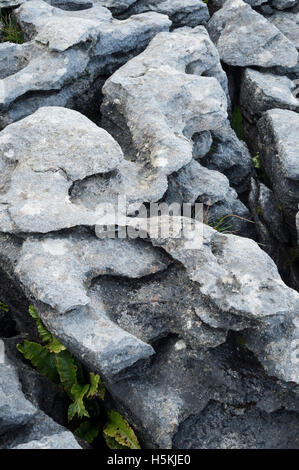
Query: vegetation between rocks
54,361
9,30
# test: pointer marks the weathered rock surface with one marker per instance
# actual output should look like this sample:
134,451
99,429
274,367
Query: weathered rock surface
231,274
278,143
228,155
21,424
37,161
194,333
245,38
262,91
195,183
270,226
53,70
181,12
288,24
283,4
158,138
210,399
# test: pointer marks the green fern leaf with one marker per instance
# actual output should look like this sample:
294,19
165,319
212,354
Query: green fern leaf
40,358
119,429
87,431
55,346
113,444
96,387
4,307
78,393
66,369
44,334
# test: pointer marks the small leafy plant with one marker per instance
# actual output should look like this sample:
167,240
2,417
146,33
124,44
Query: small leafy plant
53,360
257,161
10,31
4,307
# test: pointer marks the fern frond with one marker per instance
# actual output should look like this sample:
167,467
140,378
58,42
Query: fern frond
97,387
66,369
120,430
44,334
40,358
78,393
87,431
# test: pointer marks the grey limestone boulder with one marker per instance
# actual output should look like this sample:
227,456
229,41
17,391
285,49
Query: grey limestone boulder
181,12
288,23
195,183
228,155
262,91
67,52
243,38
278,143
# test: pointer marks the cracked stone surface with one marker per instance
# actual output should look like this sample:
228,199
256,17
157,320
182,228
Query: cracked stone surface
243,38
51,70
158,139
195,333
214,401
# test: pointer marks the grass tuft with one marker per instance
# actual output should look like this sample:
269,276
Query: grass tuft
10,31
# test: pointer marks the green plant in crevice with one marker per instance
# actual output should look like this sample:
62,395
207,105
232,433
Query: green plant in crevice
222,225
53,360
4,307
10,31
257,161
237,122
118,433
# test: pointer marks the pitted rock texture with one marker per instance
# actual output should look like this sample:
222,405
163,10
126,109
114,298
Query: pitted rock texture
253,299
194,333
37,160
158,139
245,38
67,52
